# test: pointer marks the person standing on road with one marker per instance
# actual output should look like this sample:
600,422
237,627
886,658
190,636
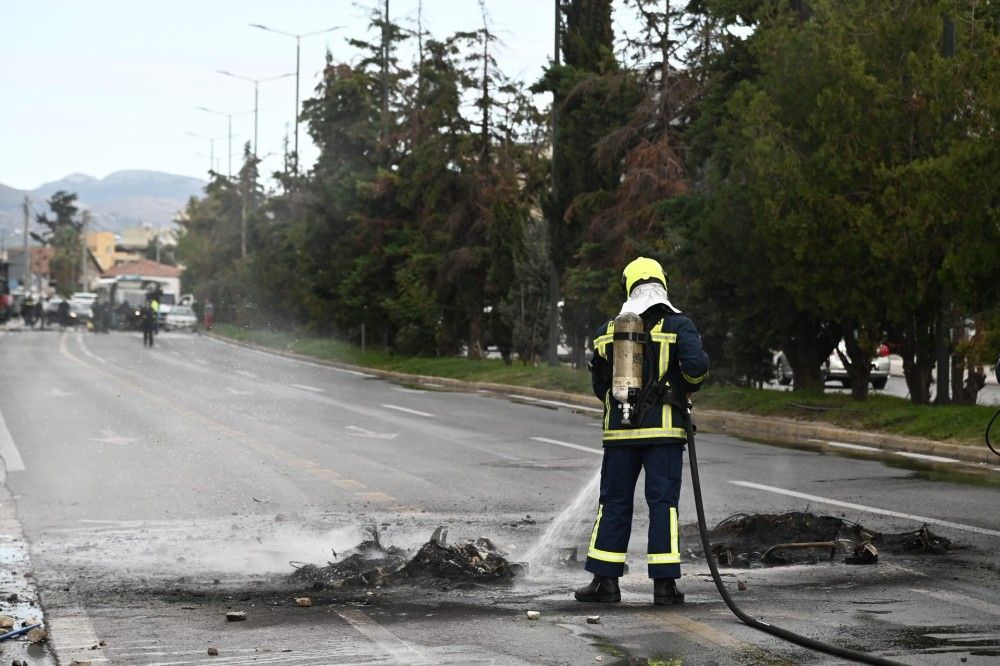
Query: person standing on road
64,313
209,315
672,348
147,317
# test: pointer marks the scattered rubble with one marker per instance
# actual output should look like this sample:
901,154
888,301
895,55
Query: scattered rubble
37,635
6,623
593,619
372,564
798,537
303,602
213,652
533,615
741,585
236,616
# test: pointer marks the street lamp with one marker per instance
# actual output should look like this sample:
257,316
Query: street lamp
211,147
298,43
256,87
229,122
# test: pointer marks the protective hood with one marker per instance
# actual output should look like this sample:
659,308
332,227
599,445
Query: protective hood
646,296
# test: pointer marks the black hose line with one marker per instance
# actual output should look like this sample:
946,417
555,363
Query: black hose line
783,634
989,443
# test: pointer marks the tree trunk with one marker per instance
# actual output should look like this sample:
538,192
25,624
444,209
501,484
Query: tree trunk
917,350
859,365
806,347
475,342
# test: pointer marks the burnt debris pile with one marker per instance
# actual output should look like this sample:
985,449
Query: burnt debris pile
372,564
800,537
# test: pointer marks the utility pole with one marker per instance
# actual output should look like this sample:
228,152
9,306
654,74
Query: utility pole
553,355
83,250
385,76
942,395
27,257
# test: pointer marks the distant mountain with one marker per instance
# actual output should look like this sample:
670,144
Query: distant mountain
120,200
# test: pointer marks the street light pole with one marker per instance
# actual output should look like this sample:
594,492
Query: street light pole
256,87
229,127
211,147
298,52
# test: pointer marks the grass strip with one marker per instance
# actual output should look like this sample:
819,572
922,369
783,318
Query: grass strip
953,423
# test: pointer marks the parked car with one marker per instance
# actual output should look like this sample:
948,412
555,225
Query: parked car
834,370
180,317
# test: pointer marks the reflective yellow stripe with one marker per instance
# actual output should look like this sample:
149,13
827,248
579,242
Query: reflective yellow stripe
694,380
595,552
607,410
606,556
601,342
674,536
645,433
674,556
663,558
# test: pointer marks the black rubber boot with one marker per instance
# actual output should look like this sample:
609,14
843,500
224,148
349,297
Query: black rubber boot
601,590
665,592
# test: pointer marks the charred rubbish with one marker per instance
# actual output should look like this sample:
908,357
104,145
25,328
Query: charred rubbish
372,564
799,537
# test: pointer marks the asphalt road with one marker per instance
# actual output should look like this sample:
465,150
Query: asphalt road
160,488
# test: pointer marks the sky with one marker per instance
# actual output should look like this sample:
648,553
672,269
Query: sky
97,86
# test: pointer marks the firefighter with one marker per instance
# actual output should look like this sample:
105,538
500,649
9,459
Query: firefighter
652,439
148,318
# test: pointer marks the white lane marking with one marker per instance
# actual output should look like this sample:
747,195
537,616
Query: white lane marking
58,393
83,348
845,445
556,403
407,390
361,432
924,456
961,600
569,445
867,509
407,410
246,373
109,436
335,369
431,384
239,391
308,388
398,649
8,449
72,635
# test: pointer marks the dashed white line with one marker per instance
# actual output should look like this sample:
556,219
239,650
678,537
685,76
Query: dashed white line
308,388
407,390
924,456
569,445
845,445
556,403
397,649
83,348
961,600
8,450
407,410
867,509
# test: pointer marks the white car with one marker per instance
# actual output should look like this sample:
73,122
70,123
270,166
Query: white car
180,317
834,370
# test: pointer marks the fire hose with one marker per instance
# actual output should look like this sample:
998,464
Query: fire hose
781,633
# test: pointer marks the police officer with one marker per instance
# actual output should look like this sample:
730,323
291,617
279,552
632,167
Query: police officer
656,444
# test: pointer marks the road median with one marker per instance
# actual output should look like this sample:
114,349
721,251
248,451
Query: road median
767,428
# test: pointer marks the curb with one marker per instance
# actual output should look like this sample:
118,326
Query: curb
800,434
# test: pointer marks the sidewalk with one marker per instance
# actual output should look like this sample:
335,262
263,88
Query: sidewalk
790,432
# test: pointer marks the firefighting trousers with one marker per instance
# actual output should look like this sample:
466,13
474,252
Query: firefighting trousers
619,474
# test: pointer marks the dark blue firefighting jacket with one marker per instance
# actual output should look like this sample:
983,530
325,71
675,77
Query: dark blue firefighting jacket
674,348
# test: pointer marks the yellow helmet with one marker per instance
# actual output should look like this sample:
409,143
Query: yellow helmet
642,269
